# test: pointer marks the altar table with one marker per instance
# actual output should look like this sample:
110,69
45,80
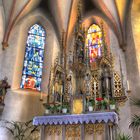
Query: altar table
91,126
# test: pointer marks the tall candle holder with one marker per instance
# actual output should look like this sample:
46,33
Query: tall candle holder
128,89
41,96
95,95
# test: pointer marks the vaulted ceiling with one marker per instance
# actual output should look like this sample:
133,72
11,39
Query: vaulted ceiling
63,14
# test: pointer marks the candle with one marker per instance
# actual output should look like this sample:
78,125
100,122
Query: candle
41,96
53,90
128,87
107,84
95,91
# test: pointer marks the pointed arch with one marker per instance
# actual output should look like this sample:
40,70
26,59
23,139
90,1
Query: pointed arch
94,42
33,58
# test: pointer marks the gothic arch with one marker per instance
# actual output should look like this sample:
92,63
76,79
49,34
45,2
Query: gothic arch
50,42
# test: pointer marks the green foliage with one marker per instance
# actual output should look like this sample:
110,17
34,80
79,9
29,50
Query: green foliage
65,105
22,130
104,103
135,121
47,106
91,102
55,108
123,137
112,101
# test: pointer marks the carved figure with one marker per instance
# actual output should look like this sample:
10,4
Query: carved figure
69,85
3,89
87,84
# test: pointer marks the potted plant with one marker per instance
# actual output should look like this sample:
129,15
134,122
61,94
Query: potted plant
53,109
65,107
47,108
112,104
59,108
104,104
99,102
90,105
22,130
123,137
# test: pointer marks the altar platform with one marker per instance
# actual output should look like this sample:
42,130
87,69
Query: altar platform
91,126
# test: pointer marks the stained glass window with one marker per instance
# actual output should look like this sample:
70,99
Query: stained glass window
33,59
94,42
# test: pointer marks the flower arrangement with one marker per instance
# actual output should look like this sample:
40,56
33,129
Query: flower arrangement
102,103
112,101
90,104
65,107
99,99
112,104
47,106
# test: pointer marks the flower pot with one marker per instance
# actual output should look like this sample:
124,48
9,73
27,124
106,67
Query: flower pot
64,110
90,108
47,111
112,106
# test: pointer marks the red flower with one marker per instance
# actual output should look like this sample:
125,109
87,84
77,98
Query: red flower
99,99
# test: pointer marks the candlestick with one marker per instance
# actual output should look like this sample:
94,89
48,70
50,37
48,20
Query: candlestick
95,92
128,87
107,83
53,90
41,96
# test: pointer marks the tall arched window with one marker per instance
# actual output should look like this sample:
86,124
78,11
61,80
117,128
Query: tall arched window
94,42
33,59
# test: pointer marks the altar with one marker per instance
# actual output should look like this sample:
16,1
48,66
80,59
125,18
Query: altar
92,126
84,91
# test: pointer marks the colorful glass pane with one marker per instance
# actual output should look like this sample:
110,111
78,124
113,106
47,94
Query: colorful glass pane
33,60
94,42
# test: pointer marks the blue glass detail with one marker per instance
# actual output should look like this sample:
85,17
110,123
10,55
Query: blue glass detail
33,59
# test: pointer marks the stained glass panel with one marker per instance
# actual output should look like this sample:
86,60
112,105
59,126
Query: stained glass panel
33,60
94,42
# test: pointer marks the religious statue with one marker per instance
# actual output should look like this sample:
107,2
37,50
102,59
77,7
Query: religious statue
57,86
87,84
3,89
106,82
70,57
69,85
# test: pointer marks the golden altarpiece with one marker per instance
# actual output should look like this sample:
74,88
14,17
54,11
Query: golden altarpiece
84,92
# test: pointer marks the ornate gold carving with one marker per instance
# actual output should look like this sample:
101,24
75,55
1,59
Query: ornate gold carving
106,61
119,93
117,85
54,129
73,131
95,78
94,128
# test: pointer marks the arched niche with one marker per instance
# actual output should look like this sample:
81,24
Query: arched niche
51,49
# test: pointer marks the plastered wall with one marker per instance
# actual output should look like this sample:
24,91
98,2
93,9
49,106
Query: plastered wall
119,61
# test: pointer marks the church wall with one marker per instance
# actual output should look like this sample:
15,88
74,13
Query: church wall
2,27
20,104
132,61
124,110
